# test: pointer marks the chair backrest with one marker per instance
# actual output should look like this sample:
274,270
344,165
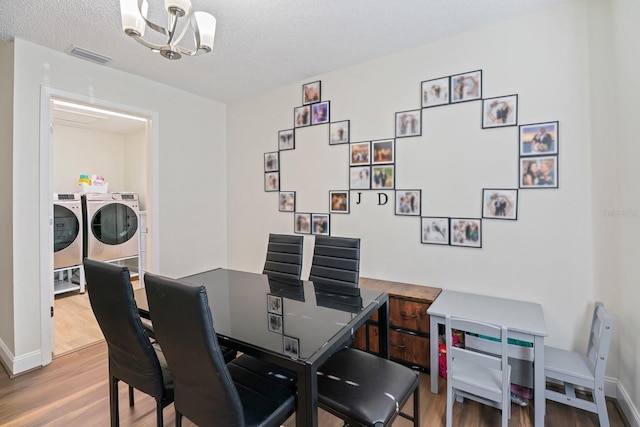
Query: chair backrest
336,262
284,256
498,361
204,390
132,358
600,339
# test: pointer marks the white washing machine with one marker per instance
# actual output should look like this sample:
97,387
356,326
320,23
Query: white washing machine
111,226
67,230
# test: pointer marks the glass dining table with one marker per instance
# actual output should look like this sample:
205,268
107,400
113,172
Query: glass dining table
297,324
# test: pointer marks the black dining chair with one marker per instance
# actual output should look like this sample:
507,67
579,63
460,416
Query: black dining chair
336,263
208,391
284,256
133,359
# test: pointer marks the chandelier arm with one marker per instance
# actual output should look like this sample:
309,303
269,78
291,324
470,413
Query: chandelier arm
158,28
146,43
188,18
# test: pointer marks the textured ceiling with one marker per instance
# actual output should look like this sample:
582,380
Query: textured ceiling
260,44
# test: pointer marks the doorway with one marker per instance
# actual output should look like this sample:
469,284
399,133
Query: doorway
88,137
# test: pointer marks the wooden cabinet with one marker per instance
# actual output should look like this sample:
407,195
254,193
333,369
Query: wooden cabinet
408,322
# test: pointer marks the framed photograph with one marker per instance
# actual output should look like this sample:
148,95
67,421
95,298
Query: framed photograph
272,181
435,92
500,112
408,123
275,323
500,203
311,93
302,223
286,140
539,172
320,113
320,224
302,116
360,178
338,202
466,232
539,139
271,161
360,153
408,202
466,86
339,132
274,304
383,177
287,201
435,230
291,346
383,151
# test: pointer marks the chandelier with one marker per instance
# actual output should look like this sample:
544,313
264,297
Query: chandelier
135,20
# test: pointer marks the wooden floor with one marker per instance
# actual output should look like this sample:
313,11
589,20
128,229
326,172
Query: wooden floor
73,391
75,326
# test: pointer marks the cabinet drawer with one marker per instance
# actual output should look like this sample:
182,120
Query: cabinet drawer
407,314
409,348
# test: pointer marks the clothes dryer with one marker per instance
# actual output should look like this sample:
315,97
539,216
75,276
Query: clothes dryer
67,230
111,226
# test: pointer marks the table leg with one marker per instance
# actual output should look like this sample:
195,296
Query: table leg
307,405
539,386
433,350
383,329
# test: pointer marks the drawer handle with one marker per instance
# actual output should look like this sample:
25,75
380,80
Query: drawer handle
411,316
399,346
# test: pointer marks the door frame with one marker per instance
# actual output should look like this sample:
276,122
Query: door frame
46,196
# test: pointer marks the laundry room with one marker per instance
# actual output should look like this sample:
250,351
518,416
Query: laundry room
100,183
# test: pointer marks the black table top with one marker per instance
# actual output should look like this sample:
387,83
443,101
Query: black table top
292,318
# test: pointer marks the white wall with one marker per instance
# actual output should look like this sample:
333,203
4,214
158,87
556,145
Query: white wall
627,317
84,151
189,225
543,257
7,343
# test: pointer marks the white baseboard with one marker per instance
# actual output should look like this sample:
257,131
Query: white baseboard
17,365
627,407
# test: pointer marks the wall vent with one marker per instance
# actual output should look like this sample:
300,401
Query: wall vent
88,55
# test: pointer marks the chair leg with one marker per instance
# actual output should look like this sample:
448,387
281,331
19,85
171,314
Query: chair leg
416,406
130,396
601,404
449,419
113,401
178,419
159,417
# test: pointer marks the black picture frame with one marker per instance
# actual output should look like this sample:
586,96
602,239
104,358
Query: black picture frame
272,161
383,177
465,232
465,87
544,175
408,202
286,139
320,113
408,123
360,153
302,116
500,203
360,178
274,304
383,151
275,323
321,224
539,139
435,92
434,230
500,111
287,201
339,201
311,92
291,346
339,132
302,223
271,181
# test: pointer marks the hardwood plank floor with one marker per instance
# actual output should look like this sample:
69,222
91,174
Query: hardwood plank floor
73,391
75,326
